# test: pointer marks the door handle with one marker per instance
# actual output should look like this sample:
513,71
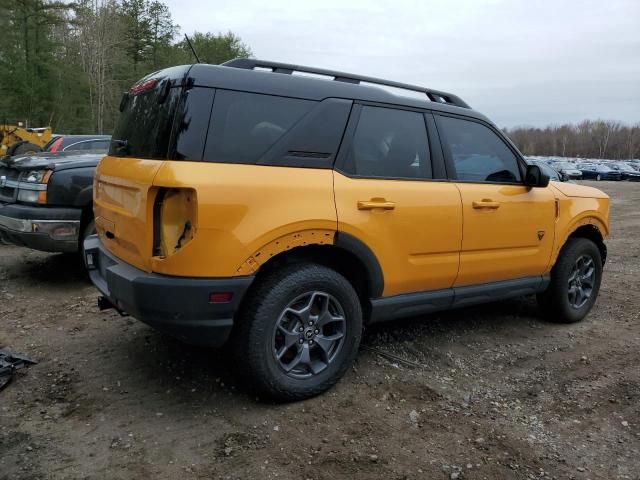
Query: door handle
486,203
374,203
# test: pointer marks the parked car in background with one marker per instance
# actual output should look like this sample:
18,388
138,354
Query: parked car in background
65,143
626,170
569,169
599,172
46,200
590,165
548,170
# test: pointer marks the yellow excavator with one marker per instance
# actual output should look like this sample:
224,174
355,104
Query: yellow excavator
20,140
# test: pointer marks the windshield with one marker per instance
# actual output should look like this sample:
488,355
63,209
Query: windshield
604,168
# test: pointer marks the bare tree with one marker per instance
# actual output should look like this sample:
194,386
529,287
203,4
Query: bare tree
592,139
99,36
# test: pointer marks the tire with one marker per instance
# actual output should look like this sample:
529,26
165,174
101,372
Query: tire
598,178
564,300
24,148
277,305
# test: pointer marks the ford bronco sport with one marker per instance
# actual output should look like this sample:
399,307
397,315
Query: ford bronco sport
261,205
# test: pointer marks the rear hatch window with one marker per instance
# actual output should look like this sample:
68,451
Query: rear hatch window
144,128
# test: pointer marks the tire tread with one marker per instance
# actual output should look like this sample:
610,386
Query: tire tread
250,330
553,301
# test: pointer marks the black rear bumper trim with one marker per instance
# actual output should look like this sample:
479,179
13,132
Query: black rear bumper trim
177,306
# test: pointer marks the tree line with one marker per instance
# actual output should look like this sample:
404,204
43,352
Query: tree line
587,139
67,64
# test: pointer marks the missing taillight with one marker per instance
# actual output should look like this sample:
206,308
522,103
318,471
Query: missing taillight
174,220
157,224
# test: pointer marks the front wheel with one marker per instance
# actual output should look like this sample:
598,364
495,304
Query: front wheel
299,332
575,282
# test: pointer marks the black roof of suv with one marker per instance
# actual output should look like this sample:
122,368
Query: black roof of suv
250,75
174,115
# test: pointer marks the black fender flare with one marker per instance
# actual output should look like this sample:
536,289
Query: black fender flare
375,277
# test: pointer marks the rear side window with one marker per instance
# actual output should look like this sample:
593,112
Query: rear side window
477,152
100,145
191,124
76,146
389,143
144,127
89,145
245,125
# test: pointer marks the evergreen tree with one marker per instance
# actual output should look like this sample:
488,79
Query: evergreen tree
67,64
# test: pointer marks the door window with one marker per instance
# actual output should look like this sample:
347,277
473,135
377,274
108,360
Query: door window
389,143
478,154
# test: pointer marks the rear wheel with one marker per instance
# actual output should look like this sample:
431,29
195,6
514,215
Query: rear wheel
299,332
575,282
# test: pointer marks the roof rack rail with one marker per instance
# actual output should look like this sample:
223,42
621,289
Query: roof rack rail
286,68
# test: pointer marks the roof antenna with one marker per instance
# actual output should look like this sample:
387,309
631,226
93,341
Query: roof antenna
192,49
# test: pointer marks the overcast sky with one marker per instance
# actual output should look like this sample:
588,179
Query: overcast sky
519,62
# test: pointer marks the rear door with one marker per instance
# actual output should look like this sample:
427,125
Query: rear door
508,229
387,197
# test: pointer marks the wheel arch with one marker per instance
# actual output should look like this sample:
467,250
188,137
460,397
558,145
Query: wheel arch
590,228
347,255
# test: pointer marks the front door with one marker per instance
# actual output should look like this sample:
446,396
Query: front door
508,228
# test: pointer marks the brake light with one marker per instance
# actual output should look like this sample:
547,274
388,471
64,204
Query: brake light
143,86
56,145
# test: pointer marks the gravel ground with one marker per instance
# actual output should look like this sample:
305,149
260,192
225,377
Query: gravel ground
485,392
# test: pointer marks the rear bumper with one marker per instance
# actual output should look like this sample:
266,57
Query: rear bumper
177,306
50,229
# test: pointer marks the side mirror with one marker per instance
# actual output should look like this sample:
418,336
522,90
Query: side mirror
535,177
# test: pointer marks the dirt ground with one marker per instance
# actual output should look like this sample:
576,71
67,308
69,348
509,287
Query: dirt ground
486,392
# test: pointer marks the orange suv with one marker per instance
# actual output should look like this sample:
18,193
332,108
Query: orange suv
282,208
